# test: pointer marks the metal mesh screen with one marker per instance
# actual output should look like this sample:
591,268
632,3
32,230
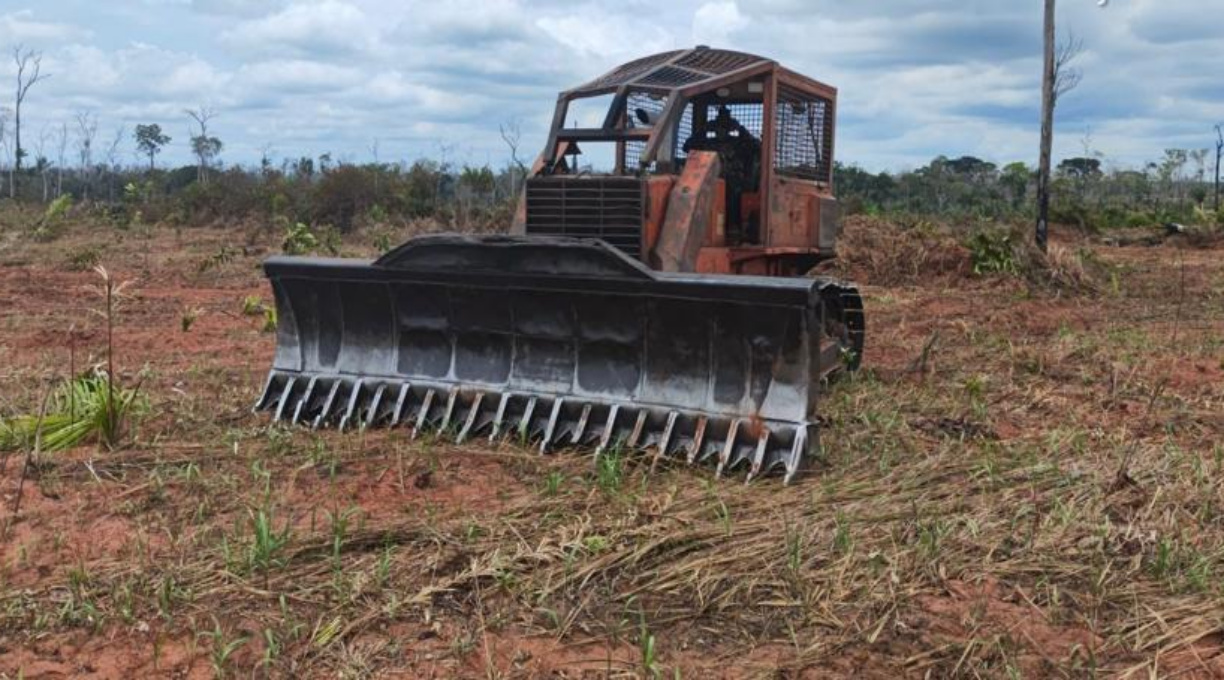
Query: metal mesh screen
804,134
684,130
717,61
632,70
653,105
672,76
751,116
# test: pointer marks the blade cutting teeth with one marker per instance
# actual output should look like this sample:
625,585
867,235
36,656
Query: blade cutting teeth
354,396
304,404
758,458
321,419
552,425
402,399
284,400
423,413
698,439
499,417
473,412
372,414
724,459
609,427
661,448
326,400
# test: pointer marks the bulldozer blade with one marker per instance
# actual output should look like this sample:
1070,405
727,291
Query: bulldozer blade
562,343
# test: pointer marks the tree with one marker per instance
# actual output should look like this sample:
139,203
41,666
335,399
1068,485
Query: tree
87,130
1219,152
41,163
1015,180
29,72
204,147
62,159
112,160
511,134
150,140
1080,168
1058,78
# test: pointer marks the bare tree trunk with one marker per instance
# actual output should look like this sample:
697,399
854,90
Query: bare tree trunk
1219,152
29,72
1047,132
59,167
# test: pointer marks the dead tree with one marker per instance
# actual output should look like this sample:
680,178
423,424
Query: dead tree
43,164
87,130
204,147
511,133
112,160
29,72
1058,79
61,159
1219,152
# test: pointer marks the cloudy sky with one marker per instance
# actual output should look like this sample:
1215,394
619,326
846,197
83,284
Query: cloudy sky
917,78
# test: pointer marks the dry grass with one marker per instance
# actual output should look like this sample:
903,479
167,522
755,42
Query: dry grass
1043,498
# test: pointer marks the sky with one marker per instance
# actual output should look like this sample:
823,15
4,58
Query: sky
398,80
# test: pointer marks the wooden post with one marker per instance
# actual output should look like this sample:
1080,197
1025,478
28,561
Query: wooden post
1047,131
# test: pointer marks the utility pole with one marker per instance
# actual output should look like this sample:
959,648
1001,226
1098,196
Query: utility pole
1047,131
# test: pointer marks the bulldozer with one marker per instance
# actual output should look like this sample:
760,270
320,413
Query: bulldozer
657,303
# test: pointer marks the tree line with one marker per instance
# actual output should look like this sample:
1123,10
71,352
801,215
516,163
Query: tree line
1182,186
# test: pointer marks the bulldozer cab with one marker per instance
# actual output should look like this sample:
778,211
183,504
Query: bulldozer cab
771,129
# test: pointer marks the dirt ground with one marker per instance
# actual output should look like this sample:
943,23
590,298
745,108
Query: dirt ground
1024,481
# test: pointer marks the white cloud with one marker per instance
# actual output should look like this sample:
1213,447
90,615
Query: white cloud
610,39
307,29
297,75
238,8
22,27
715,22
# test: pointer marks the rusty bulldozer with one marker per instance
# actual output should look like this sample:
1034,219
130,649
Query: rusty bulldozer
659,306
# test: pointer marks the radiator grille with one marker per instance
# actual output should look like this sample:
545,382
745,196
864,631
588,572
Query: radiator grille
608,208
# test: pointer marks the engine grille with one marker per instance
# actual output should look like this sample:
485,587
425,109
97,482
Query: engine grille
608,208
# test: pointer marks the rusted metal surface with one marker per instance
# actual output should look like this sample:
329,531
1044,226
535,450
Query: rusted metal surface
658,190
560,341
688,214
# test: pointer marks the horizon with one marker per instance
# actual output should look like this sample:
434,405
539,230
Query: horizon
374,80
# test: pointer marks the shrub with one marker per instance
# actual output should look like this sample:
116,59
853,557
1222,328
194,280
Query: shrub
992,252
299,240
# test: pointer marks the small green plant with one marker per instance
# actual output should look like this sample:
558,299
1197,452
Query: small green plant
992,252
646,643
222,257
552,484
794,548
329,240
843,541
382,241
270,322
79,410
267,543
299,240
58,208
222,649
84,259
188,317
252,305
610,470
